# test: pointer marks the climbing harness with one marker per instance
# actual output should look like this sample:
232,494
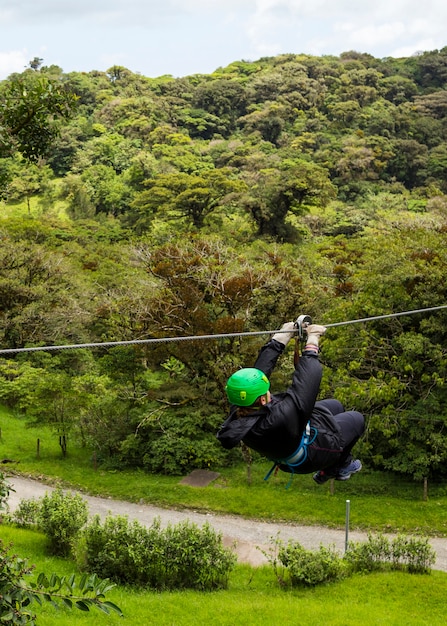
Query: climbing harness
298,457
108,344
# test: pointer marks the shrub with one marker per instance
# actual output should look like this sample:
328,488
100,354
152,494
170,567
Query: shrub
124,551
5,489
370,555
307,567
413,554
27,513
181,556
62,515
195,557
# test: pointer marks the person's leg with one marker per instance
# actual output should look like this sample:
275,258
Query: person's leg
352,427
332,405
350,423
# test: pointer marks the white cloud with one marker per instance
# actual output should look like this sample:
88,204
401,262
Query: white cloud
334,26
14,61
181,37
113,12
370,35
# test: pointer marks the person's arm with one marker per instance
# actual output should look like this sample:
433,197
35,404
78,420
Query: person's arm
270,352
307,376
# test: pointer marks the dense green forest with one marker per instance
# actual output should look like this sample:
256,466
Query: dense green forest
136,208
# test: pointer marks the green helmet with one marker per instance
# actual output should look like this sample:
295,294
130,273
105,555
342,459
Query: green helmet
246,385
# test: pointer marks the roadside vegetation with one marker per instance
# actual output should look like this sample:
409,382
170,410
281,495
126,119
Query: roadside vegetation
253,596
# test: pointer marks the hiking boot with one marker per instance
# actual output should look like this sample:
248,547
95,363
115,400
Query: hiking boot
346,472
322,477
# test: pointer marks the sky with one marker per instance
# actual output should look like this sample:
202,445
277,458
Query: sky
184,37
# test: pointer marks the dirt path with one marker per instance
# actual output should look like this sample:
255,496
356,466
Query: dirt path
250,537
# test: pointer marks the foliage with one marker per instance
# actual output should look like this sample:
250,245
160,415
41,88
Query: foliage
26,514
174,442
179,195
61,517
274,192
5,490
302,567
309,567
31,103
251,598
180,556
16,595
413,554
222,204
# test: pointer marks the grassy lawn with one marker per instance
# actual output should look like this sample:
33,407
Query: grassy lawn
22,209
253,598
379,502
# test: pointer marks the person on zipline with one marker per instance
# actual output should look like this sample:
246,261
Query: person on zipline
295,431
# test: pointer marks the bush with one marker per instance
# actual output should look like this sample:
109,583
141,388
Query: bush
378,553
413,554
195,557
307,567
175,442
124,551
27,513
61,517
181,556
5,489
370,555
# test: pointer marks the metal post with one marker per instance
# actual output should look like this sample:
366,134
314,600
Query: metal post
348,503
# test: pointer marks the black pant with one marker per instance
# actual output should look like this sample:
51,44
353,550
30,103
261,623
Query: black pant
351,425
336,432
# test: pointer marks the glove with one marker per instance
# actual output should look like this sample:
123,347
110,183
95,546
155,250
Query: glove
285,337
314,332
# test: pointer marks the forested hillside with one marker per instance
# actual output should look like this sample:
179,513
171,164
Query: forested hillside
136,207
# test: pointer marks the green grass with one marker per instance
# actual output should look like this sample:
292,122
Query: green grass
253,598
21,208
379,502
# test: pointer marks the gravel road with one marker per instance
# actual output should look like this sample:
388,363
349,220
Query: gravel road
249,537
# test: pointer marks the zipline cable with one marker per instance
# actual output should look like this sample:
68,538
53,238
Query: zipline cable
382,317
107,344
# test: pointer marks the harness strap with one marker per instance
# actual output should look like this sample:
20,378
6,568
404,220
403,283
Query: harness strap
298,457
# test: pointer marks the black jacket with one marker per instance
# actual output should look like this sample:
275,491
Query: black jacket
275,429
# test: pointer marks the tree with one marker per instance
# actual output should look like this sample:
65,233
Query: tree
437,165
224,98
290,188
107,190
408,163
26,179
31,104
188,196
394,371
108,149
37,291
268,121
398,89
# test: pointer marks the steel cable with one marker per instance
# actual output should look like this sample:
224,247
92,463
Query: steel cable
155,340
